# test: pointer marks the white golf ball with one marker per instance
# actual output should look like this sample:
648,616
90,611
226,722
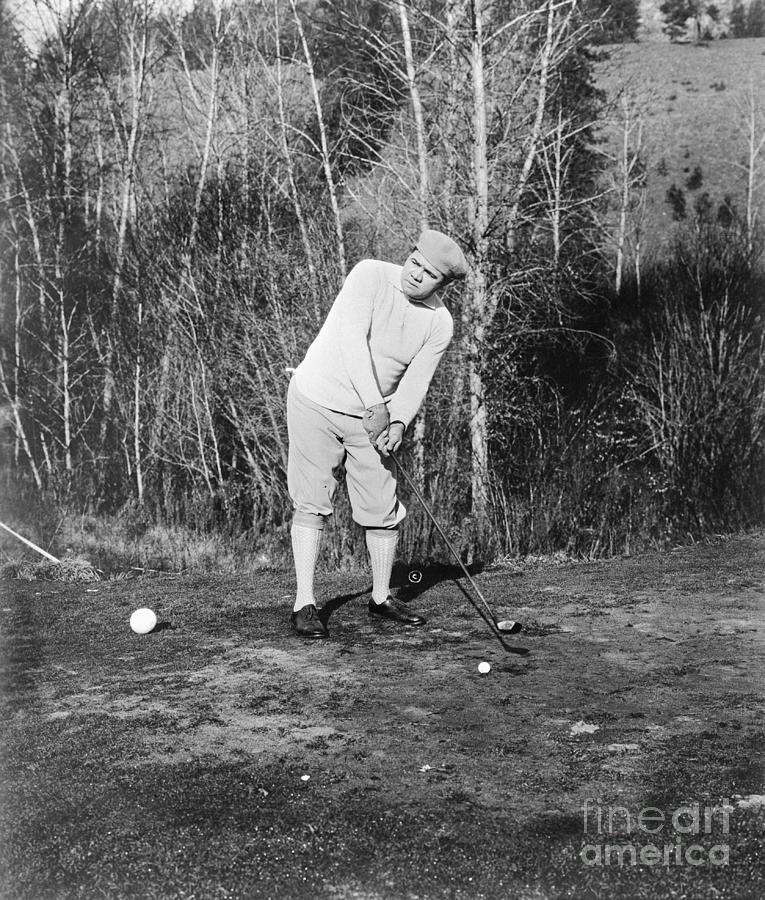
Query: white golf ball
143,620
484,668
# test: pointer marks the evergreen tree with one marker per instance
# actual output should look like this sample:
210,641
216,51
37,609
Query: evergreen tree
677,12
619,20
676,199
738,23
755,20
695,179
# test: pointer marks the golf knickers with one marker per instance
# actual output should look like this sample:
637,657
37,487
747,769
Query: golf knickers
320,440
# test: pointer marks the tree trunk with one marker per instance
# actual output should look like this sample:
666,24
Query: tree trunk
418,432
137,39
289,164
326,163
536,130
476,328
755,144
10,387
137,455
624,201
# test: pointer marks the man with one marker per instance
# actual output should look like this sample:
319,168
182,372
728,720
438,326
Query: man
350,401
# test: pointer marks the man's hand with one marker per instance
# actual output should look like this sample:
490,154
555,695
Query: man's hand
391,439
376,421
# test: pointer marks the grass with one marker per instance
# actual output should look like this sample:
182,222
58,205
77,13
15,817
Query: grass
71,569
172,765
114,547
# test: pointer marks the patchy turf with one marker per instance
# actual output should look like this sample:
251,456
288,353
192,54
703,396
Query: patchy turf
221,757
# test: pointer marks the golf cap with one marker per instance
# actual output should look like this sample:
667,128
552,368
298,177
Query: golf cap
443,253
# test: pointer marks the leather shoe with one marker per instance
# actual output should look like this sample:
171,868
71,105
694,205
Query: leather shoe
395,610
307,623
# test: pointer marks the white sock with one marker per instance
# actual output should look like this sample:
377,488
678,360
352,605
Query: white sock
305,550
381,543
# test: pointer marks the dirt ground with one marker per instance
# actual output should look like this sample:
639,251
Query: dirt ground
614,750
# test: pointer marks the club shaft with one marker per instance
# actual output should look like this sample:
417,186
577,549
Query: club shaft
29,543
441,531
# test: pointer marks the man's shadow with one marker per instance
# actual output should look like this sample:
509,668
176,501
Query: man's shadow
407,583
410,581
415,581
334,603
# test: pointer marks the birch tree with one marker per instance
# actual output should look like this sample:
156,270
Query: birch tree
501,171
752,119
41,146
477,320
324,149
125,90
492,73
418,431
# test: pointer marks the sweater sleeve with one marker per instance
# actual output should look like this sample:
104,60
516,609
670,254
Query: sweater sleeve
411,390
354,306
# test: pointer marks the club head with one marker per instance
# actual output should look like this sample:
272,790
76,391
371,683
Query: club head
508,626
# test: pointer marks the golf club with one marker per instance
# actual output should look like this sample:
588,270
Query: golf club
505,626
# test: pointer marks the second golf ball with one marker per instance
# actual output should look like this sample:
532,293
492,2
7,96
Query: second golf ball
484,668
143,620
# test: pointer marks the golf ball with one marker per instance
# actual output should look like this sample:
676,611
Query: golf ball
484,668
143,620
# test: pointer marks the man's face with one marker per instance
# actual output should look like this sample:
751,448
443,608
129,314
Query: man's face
420,280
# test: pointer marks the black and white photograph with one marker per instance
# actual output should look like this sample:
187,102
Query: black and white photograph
382,449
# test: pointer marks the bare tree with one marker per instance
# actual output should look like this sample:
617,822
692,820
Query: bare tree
621,226
417,114
486,194
753,127
500,73
418,432
10,382
324,149
475,332
278,77
126,101
40,147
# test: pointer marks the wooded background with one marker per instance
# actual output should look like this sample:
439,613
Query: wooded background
183,193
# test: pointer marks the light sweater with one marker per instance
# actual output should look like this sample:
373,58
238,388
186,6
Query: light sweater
375,346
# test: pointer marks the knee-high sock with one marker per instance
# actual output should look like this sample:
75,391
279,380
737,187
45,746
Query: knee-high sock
381,543
306,537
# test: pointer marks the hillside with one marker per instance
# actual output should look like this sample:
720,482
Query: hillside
691,101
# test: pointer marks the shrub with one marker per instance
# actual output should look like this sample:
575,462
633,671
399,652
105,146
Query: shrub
699,381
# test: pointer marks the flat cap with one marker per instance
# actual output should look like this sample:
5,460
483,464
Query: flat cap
443,253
